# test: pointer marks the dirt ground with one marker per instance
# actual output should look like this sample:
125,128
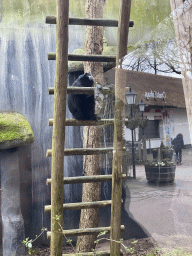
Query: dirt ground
143,247
167,246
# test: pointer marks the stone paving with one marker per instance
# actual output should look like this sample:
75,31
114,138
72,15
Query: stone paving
165,210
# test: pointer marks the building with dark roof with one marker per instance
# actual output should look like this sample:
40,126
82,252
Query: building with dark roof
165,106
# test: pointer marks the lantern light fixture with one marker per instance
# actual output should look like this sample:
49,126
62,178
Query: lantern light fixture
130,97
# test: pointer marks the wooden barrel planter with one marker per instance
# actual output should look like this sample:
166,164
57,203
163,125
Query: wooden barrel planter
160,173
167,153
155,153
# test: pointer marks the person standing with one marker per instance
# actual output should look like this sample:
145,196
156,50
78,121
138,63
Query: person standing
178,144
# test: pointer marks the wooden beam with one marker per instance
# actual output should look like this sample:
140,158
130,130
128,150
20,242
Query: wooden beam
88,22
86,205
85,90
98,253
82,151
80,232
86,179
94,58
88,90
74,122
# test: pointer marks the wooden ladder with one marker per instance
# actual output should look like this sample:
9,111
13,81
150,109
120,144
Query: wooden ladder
58,138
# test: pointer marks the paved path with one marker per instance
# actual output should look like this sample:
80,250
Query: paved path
164,210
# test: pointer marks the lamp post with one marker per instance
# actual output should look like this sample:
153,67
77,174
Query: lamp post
131,98
142,109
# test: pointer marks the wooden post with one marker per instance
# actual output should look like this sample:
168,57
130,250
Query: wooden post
139,150
144,149
58,138
118,127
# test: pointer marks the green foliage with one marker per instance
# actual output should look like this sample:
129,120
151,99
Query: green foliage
151,11
146,13
143,123
126,248
155,252
134,122
177,252
22,10
130,48
131,249
29,243
102,233
57,221
164,162
57,217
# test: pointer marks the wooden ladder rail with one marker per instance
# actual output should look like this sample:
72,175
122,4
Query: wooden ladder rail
60,94
58,135
120,86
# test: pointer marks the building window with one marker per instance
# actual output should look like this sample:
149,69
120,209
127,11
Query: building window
151,131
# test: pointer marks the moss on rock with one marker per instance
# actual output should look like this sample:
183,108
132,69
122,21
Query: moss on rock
14,131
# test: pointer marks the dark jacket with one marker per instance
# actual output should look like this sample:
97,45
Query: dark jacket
178,142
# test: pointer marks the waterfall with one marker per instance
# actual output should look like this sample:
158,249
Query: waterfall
25,76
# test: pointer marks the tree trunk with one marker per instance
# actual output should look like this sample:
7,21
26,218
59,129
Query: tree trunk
182,13
91,135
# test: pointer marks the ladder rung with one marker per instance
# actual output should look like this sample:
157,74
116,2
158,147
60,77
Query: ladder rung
88,22
82,232
74,122
86,179
83,90
82,151
77,90
89,254
76,57
98,253
76,206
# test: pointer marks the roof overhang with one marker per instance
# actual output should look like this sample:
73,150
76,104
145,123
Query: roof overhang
154,90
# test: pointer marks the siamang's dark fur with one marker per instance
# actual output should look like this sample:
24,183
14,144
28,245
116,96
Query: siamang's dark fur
82,106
